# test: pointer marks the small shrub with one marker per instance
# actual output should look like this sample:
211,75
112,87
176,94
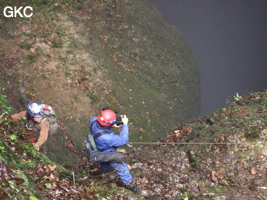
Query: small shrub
13,137
2,149
263,106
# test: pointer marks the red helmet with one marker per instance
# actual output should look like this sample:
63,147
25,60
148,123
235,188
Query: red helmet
109,117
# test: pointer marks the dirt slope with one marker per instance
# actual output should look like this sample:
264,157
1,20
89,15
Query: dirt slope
220,156
80,56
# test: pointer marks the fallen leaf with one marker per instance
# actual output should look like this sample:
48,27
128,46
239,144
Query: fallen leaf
213,176
188,130
253,170
223,137
142,185
222,182
52,167
176,131
220,173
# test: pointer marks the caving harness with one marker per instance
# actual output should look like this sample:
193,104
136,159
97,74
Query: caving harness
94,154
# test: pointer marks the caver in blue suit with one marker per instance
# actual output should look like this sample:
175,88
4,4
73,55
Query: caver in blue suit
109,142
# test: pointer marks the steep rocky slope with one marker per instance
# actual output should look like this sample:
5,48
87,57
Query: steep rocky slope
219,156
80,56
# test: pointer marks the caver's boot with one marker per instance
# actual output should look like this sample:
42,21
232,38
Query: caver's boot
134,188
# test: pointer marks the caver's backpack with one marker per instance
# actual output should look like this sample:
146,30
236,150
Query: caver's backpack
93,153
89,144
51,117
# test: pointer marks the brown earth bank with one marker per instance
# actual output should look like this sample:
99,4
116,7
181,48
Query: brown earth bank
80,56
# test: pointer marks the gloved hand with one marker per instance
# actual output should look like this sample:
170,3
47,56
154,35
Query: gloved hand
124,119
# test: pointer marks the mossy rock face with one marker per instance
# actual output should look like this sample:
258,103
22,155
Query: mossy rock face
82,56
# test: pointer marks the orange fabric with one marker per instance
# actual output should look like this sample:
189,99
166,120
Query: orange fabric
43,133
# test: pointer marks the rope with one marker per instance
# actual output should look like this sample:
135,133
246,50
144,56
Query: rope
182,143
163,143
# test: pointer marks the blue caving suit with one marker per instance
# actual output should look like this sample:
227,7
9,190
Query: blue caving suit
109,143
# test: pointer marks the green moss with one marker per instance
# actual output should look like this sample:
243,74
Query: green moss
152,71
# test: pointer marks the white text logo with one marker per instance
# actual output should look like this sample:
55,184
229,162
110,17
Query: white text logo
20,12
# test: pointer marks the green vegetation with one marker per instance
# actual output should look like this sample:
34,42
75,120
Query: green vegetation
33,198
185,197
6,110
13,137
236,97
2,149
263,106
